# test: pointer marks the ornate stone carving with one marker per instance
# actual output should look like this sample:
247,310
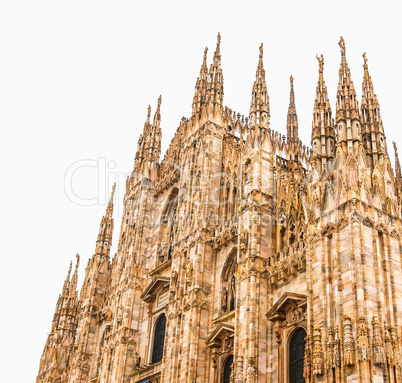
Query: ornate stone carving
331,348
337,348
389,352
317,353
363,345
251,371
395,345
307,360
378,347
296,314
239,370
348,343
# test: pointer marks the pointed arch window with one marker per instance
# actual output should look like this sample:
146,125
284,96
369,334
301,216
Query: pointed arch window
227,369
172,232
232,289
168,227
296,356
229,284
159,339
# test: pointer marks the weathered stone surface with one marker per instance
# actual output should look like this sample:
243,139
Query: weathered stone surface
235,241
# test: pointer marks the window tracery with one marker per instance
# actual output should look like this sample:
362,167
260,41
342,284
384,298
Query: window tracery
159,339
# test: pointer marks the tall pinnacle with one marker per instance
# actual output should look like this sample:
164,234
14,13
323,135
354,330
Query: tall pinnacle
149,146
200,86
398,173
372,130
67,281
259,109
74,279
347,108
292,124
323,131
214,92
109,209
104,241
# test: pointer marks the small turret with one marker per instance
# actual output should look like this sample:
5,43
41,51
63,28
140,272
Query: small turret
292,124
200,87
59,344
323,132
149,147
398,175
372,129
104,241
347,108
259,109
214,92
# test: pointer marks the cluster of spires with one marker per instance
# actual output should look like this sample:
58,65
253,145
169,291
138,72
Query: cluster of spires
328,134
351,127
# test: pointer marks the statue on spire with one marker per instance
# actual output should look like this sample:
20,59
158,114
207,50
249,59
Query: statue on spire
343,46
261,50
365,58
320,63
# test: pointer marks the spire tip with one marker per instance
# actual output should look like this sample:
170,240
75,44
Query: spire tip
320,63
342,45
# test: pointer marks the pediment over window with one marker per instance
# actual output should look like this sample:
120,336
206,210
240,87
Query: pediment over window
222,331
158,282
288,304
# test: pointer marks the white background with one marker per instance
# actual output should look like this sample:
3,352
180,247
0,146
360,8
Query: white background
76,78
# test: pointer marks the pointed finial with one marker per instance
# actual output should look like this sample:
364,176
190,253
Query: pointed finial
397,165
149,113
159,100
365,66
218,40
342,45
69,270
261,50
320,63
109,209
113,189
291,81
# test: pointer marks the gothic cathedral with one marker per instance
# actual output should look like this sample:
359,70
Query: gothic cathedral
244,256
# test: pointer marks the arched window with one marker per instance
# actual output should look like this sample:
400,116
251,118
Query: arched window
232,288
229,283
168,226
173,225
296,356
227,369
159,339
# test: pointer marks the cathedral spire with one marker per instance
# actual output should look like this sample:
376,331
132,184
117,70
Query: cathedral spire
149,146
104,241
74,279
157,116
214,92
67,281
323,131
398,174
200,86
292,124
347,108
372,130
109,209
259,109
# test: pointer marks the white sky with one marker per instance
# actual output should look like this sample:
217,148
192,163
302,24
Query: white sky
76,78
